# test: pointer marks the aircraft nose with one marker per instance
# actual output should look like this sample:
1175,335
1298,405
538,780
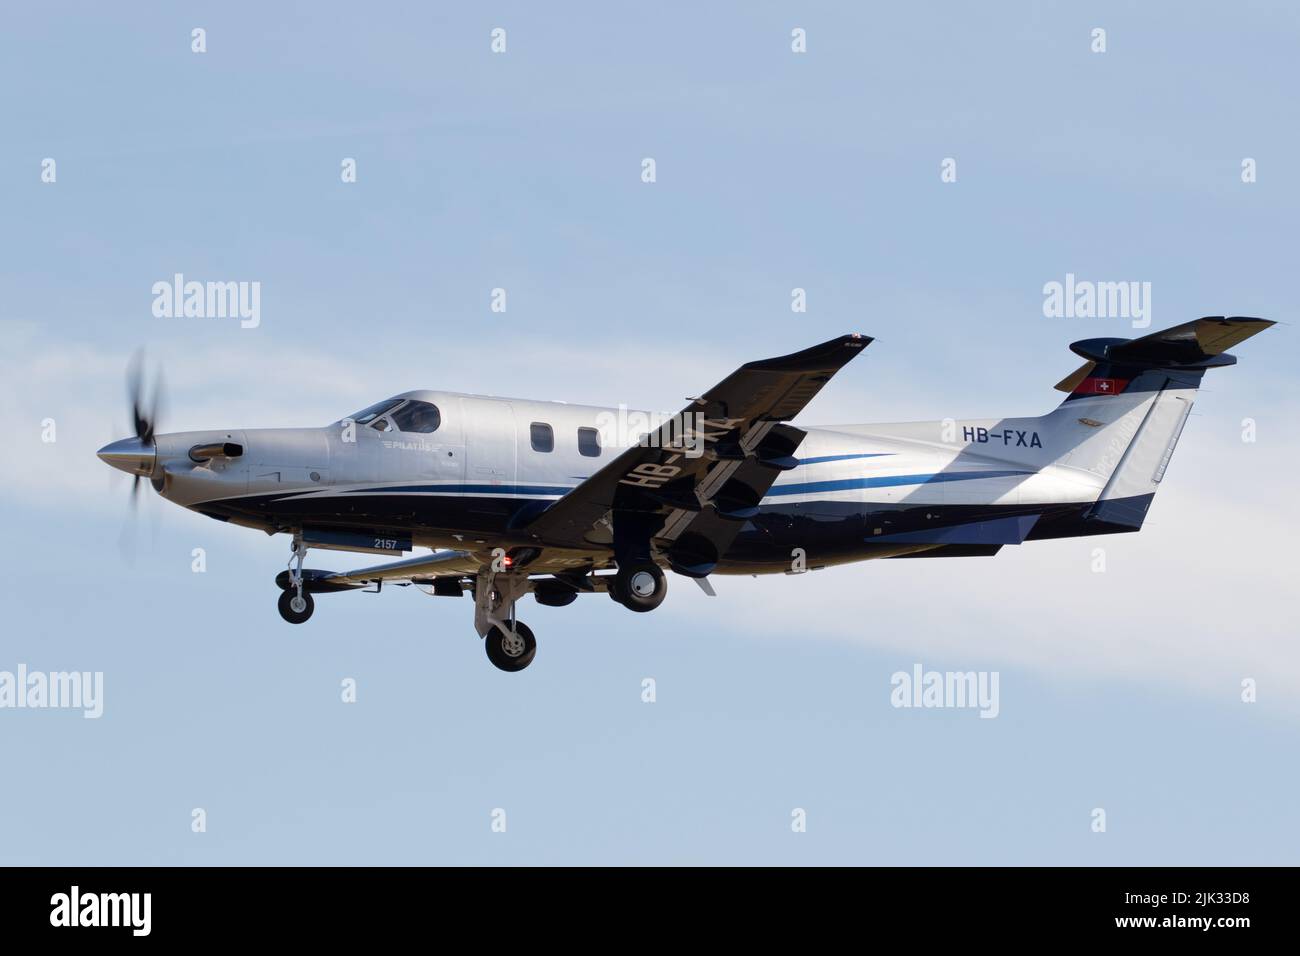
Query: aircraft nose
131,455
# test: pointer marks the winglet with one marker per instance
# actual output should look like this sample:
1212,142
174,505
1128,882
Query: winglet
833,354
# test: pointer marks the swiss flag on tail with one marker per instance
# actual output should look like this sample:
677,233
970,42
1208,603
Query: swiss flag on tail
1101,386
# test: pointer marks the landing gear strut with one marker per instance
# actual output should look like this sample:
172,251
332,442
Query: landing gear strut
509,643
296,604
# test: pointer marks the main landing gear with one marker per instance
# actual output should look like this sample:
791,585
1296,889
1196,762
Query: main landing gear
510,650
509,643
639,586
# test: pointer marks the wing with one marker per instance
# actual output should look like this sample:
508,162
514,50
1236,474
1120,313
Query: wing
689,485
424,567
427,568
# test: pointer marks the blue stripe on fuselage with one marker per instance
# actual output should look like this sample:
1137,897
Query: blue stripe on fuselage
819,460
886,481
533,490
802,488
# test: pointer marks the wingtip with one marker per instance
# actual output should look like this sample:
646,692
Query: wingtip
833,353
1261,323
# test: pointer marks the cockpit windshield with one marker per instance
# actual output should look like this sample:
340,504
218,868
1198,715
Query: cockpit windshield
407,415
367,415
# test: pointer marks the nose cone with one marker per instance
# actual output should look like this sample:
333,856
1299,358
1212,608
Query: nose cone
131,455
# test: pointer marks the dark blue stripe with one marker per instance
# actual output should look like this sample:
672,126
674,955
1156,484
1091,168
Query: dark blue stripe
817,461
844,484
886,481
468,489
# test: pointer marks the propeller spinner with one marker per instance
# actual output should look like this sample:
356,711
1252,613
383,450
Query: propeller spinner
137,456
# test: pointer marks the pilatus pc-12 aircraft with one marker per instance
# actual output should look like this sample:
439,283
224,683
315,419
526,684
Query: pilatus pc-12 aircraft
518,496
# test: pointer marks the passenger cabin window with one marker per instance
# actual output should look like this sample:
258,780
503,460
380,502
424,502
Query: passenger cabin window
589,442
542,436
416,416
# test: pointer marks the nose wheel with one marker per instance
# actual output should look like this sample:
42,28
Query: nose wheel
296,604
294,607
510,651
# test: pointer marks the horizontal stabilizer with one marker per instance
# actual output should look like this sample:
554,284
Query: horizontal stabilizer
1197,344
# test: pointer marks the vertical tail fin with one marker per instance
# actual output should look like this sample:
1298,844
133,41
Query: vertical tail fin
1128,403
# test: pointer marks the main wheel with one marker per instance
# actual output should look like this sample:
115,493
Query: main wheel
511,652
296,609
640,586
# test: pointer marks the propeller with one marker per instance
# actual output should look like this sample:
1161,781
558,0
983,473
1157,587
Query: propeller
138,456
146,408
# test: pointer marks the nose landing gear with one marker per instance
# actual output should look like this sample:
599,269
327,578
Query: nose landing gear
296,604
295,608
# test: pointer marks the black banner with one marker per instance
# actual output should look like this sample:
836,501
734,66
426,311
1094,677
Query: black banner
332,905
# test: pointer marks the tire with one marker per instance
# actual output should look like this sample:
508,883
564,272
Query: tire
641,586
287,610
509,654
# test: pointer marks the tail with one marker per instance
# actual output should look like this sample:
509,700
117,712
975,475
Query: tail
1127,405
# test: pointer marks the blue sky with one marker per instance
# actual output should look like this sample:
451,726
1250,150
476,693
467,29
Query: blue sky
522,171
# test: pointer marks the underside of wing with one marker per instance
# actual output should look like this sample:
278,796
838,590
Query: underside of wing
422,567
687,487
453,566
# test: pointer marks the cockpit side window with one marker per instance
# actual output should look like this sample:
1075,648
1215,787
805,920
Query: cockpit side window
367,415
381,425
416,416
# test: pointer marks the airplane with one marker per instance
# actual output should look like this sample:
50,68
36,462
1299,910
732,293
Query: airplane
517,496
